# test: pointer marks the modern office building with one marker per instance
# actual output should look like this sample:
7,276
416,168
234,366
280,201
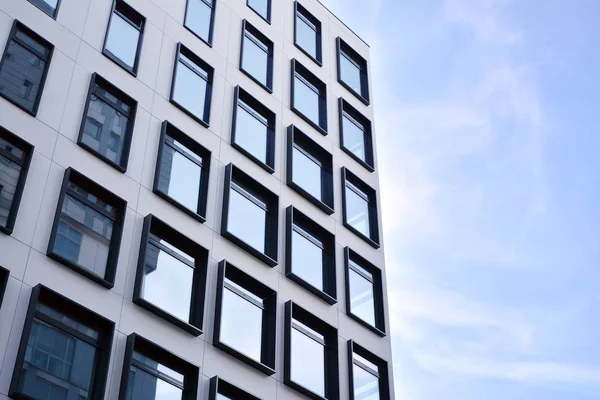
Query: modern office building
189,203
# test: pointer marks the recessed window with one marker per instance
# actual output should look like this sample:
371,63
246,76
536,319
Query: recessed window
368,374
310,255
4,274
64,350
107,125
245,318
310,170
250,214
200,18
191,89
307,33
152,373
24,67
309,97
256,59
182,171
222,390
87,228
310,354
49,7
352,71
360,208
253,130
355,135
171,276
124,35
262,8
15,156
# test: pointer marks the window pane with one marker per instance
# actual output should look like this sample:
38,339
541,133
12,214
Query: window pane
9,178
122,40
66,320
350,73
251,134
366,385
306,100
255,60
247,221
21,74
307,260
306,36
357,212
308,363
156,366
198,18
190,90
48,6
144,386
362,298
307,173
261,7
180,178
354,138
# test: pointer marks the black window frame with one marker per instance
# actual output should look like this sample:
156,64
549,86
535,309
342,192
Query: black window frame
303,143
109,197
170,133
138,344
217,385
40,294
371,194
97,81
28,150
300,10
382,373
176,239
129,15
19,26
4,275
267,19
39,5
211,30
361,63
233,175
269,316
251,104
263,41
357,118
321,89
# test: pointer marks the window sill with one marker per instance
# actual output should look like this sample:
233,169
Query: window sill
206,42
324,207
331,300
378,331
361,235
114,59
267,20
308,393
359,96
90,275
307,54
190,114
176,204
259,83
322,131
358,160
261,164
113,164
191,329
33,112
244,358
272,262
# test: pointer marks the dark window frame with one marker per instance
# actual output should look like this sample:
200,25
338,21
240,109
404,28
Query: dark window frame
211,30
195,325
40,6
360,62
100,82
382,373
115,243
321,89
217,385
4,275
263,41
42,294
349,177
19,26
356,117
269,316
300,10
268,18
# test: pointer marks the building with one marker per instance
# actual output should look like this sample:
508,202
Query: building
188,203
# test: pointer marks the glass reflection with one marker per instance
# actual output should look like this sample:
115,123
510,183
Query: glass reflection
251,132
198,17
145,386
122,40
247,221
10,172
190,88
47,6
180,178
255,58
306,35
307,260
261,7
357,211
306,100
362,303
308,362
350,73
306,173
354,138
366,385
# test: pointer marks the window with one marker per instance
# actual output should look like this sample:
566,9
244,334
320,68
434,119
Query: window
256,59
307,33
364,292
368,374
123,41
24,67
310,170
309,97
262,8
4,274
245,320
152,373
87,228
360,208
253,130
107,124
182,172
192,85
221,390
250,214
15,156
355,135
64,350
200,19
49,7
171,276
310,354
352,71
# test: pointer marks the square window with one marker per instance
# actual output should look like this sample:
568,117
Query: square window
24,68
307,33
50,7
253,130
65,348
182,172
107,124
355,135
245,320
222,390
352,71
256,58
310,170
124,34
250,215
151,373
171,276
191,89
200,19
15,157
309,97
368,374
262,8
4,274
360,208
310,354
310,255
86,234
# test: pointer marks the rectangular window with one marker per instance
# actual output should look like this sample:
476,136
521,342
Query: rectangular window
152,373
49,7
352,71
4,274
262,8
15,157
307,33
253,130
182,172
222,390
64,350
191,89
123,41
309,97
200,19
24,68
368,374
86,234
256,59
245,321
107,124
171,276
360,208
355,135
250,214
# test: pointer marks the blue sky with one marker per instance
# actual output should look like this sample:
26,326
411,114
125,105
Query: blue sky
488,136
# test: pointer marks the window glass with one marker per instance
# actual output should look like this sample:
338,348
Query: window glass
307,259
306,35
145,386
47,6
307,362
251,132
357,211
362,303
306,99
180,178
255,58
198,17
122,40
10,172
307,173
190,87
366,385
247,220
261,7
354,137
350,73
